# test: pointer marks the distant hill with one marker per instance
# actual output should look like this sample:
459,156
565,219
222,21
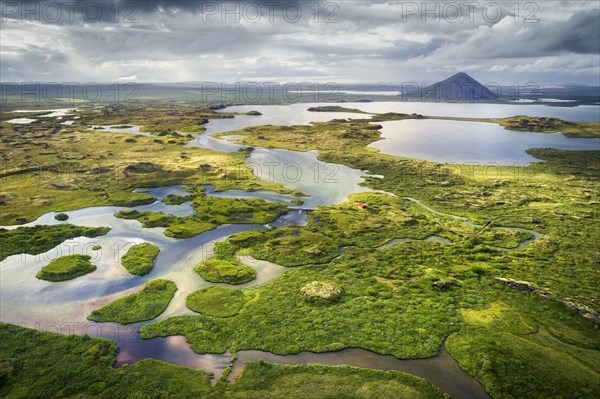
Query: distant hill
459,88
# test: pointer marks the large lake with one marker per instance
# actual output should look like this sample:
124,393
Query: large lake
470,142
432,140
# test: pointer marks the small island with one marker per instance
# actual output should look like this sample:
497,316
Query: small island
66,268
61,217
139,259
225,271
335,108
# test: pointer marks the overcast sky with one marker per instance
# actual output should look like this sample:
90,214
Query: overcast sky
547,42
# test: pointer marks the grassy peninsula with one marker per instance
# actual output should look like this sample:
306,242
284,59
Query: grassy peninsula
146,304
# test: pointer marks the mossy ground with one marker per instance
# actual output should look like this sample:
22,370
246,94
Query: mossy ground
216,301
139,258
544,124
320,291
81,367
66,268
39,239
517,343
225,271
146,304
211,212
54,167
286,246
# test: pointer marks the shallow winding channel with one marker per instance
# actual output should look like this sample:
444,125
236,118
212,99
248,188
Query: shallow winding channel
63,307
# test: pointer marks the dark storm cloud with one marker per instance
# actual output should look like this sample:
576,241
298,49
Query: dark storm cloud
159,40
580,34
113,11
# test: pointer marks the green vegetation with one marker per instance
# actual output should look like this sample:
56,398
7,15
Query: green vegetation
296,201
225,271
146,304
216,301
562,362
286,246
38,239
66,268
96,247
431,290
538,124
128,198
318,291
148,219
335,108
81,367
54,167
263,380
61,216
139,258
544,124
210,213
334,135
173,199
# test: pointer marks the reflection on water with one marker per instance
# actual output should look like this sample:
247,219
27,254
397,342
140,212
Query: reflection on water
134,129
172,349
326,184
441,370
298,114
470,142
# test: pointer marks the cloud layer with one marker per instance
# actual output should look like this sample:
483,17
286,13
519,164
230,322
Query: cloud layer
345,41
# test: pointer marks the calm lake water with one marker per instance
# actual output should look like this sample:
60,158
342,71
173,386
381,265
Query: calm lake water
470,142
433,140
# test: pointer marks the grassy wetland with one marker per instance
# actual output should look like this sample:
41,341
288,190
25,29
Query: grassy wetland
407,299
52,167
211,212
81,366
499,264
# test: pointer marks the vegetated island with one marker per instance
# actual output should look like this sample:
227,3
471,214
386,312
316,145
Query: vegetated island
336,108
225,271
211,212
139,259
66,268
